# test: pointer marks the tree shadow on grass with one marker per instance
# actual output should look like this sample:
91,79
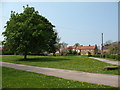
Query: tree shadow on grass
43,59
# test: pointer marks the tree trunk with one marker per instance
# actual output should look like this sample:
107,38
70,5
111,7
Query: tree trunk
59,52
25,56
54,54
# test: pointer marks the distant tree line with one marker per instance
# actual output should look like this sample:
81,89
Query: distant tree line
110,50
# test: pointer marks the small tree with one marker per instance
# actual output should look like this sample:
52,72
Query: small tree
108,42
76,46
29,32
113,48
63,46
0,42
58,44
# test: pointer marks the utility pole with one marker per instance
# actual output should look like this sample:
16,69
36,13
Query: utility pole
102,44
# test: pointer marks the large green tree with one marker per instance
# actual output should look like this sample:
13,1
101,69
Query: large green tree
29,32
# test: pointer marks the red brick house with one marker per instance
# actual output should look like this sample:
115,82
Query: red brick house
84,50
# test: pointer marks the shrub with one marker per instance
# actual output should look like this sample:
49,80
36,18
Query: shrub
117,57
96,55
84,55
89,54
57,54
75,52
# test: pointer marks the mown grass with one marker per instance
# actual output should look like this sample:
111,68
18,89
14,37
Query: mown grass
64,62
13,78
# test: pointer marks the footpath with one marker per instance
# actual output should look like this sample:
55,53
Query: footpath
107,61
104,79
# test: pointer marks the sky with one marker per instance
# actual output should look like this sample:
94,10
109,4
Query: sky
76,22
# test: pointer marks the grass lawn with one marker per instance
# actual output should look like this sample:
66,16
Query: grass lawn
13,78
64,62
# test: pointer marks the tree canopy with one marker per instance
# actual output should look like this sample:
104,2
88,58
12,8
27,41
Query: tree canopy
29,32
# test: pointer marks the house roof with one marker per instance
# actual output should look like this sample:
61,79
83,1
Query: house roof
71,47
87,47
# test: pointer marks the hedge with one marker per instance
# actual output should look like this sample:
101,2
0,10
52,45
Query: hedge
117,57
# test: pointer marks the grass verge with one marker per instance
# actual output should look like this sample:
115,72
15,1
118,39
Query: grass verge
13,78
64,62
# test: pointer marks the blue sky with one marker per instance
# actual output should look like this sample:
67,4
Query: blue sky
76,22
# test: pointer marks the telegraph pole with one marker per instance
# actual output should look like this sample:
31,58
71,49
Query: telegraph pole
102,44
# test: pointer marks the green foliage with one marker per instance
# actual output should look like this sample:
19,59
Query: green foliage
89,54
116,57
76,45
0,42
96,55
29,32
71,52
113,48
75,52
57,54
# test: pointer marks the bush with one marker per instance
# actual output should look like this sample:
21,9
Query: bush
117,57
74,52
89,54
57,54
96,55
7,53
111,56
84,55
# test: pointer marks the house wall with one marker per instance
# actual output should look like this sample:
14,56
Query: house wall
92,51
